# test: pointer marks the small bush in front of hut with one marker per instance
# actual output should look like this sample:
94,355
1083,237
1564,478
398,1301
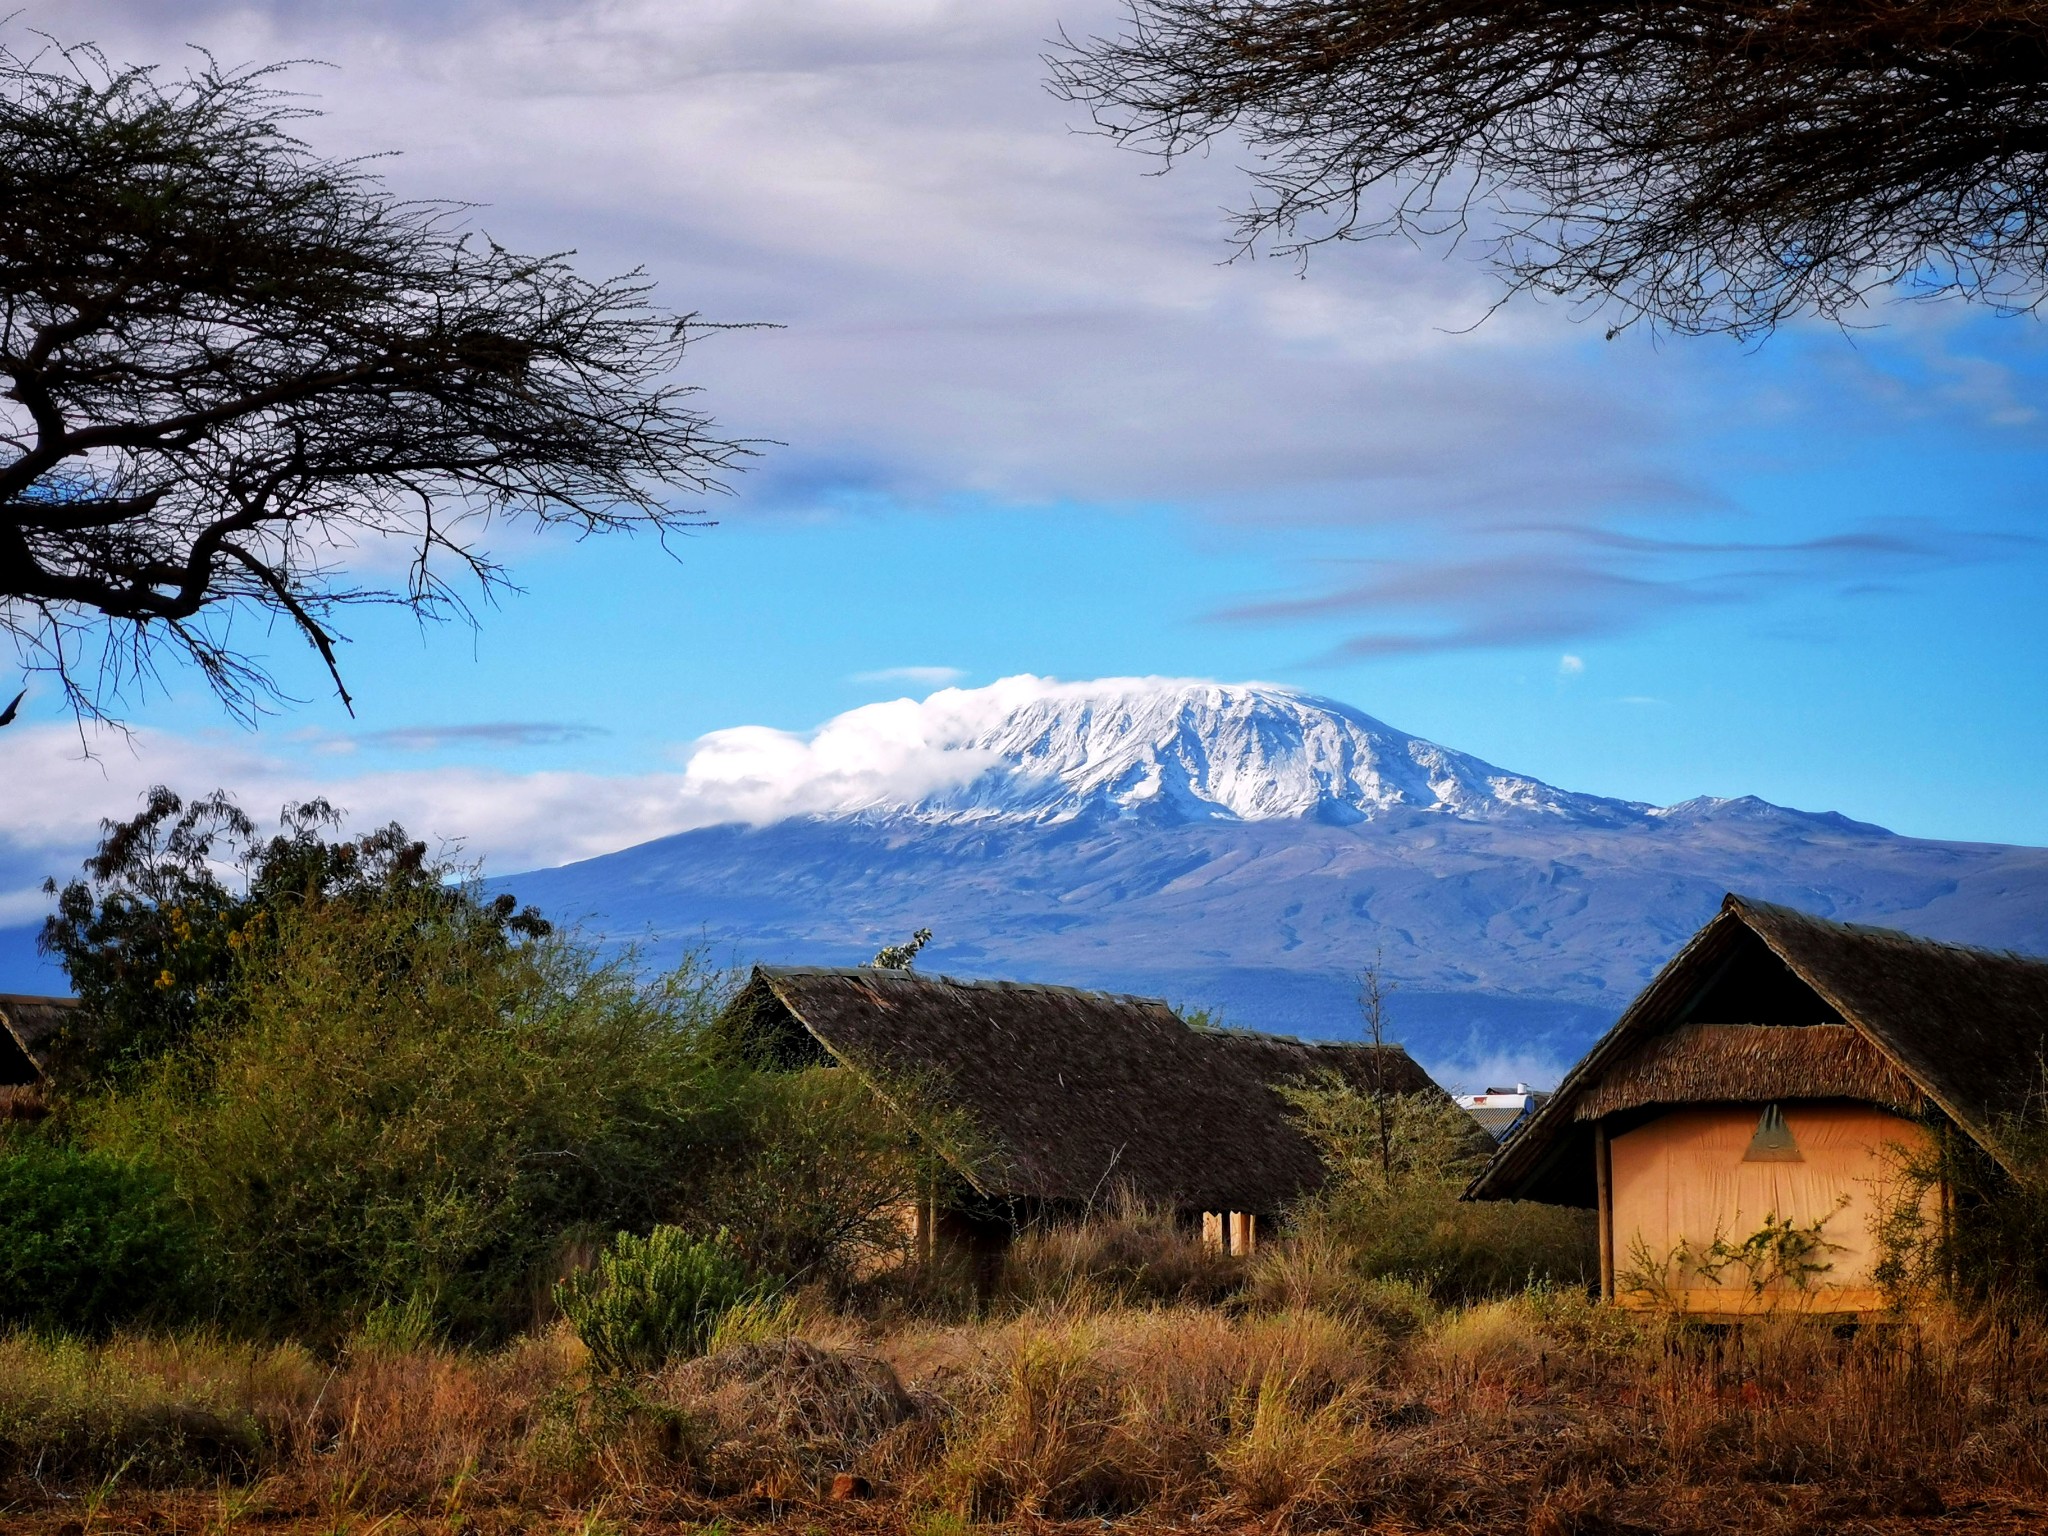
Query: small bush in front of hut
656,1298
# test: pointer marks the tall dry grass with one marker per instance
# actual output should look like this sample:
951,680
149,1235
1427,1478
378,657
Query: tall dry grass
1131,1256
1304,1404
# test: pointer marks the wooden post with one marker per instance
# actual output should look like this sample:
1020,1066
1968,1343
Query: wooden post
1243,1232
1213,1235
1603,1177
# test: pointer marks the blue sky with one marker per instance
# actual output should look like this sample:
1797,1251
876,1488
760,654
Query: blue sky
1033,421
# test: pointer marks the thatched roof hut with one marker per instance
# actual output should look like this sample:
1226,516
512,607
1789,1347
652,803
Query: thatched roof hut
1076,1095
30,1030
1856,1034
1884,1018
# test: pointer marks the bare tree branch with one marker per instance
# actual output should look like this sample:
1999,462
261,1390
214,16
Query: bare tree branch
227,364
1704,167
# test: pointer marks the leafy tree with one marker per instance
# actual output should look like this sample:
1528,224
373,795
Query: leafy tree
226,361
1397,1164
901,957
815,1182
1706,167
150,936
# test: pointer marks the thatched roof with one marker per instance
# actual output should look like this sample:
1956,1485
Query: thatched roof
1079,1095
29,1028
1833,1010
1751,1064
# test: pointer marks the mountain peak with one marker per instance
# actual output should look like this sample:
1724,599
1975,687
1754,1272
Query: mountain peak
1179,749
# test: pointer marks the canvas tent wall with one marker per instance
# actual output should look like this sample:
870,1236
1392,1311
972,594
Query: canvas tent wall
1078,1096
1777,1069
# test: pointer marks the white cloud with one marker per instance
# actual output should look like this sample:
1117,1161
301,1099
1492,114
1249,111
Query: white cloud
979,300
1570,666
931,677
1475,1069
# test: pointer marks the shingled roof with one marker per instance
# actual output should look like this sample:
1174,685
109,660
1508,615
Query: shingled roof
1857,1012
1079,1094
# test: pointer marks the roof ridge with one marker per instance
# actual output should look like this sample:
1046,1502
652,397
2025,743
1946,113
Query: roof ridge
1243,1032
1778,911
988,983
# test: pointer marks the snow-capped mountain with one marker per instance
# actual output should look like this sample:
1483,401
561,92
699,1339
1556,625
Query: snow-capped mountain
1247,847
1171,750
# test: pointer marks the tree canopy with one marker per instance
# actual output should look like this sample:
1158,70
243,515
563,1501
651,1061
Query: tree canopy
152,935
231,370
1705,167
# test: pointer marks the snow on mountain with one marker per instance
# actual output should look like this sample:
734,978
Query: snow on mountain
1197,751
1158,749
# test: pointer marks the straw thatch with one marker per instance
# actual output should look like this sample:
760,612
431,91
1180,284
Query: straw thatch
1751,1064
1076,1095
31,1029
1965,1030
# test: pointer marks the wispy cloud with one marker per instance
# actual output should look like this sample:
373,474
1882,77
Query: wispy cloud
1555,583
929,677
497,733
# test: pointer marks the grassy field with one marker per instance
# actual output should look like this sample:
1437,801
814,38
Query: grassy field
1295,1406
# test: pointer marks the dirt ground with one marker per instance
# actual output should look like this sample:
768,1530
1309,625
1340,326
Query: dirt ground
1792,1510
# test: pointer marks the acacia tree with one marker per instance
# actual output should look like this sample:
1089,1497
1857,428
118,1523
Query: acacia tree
1707,167
233,368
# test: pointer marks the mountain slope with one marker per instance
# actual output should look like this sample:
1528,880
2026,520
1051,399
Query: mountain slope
1250,847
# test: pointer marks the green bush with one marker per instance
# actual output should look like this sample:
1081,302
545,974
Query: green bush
1398,1164
653,1299
403,1111
86,1240
1987,1236
814,1183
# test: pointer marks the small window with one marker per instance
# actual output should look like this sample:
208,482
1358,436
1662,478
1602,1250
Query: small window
1773,1141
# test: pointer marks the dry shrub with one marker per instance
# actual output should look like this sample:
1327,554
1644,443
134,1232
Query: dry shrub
1546,1413
165,1409
1066,1414
1300,1457
1038,1434
1501,1340
782,1417
1951,1396
1311,1270
407,1426
1130,1256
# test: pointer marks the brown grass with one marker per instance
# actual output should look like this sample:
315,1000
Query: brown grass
1540,1415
